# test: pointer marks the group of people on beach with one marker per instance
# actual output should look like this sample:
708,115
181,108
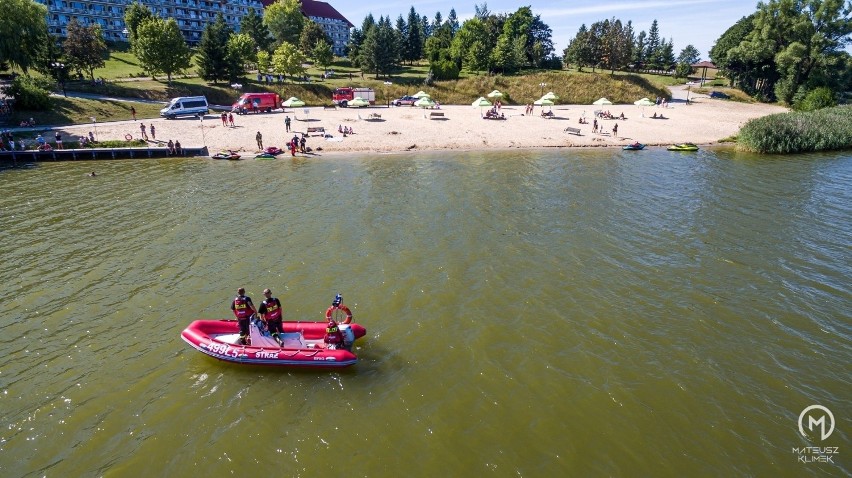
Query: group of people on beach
227,118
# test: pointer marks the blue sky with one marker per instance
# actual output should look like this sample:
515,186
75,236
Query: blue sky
696,22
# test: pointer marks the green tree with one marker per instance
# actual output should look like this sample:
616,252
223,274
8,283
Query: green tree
23,32
356,40
252,25
160,47
380,51
288,60
580,49
638,57
213,61
85,48
468,46
412,49
539,42
739,70
652,45
284,20
689,55
323,54
242,51
134,15
264,61
453,21
312,33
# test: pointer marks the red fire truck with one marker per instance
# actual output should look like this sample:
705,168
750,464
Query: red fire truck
342,96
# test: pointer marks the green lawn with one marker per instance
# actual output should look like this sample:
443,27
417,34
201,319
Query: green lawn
80,111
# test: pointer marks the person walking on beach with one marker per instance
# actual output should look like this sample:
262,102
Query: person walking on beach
243,309
153,132
259,138
231,119
59,141
224,118
302,147
142,129
287,123
133,113
615,130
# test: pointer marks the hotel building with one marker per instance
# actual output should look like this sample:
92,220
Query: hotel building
192,16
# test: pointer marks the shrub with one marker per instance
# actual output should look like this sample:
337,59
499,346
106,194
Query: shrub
30,93
817,99
797,132
445,70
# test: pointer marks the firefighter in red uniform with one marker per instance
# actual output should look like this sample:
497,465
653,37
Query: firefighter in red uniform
333,336
270,312
243,310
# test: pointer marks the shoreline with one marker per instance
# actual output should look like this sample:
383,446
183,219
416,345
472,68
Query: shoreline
704,121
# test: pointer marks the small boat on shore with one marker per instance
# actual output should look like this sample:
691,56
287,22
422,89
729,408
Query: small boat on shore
264,156
683,147
637,146
229,155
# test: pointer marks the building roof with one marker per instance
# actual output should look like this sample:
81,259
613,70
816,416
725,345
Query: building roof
703,64
312,8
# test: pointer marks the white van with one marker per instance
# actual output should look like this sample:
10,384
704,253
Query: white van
185,105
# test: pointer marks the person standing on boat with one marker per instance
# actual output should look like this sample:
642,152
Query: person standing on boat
333,336
270,312
243,309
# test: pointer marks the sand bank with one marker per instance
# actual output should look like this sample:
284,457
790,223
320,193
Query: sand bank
703,121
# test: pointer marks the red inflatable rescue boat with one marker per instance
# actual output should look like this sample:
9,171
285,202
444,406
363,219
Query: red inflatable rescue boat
303,343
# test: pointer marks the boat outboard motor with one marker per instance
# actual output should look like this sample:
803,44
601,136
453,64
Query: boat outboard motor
338,299
348,336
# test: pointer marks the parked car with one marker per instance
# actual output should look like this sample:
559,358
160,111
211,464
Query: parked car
404,101
718,94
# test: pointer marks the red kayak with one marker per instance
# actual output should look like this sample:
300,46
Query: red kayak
303,344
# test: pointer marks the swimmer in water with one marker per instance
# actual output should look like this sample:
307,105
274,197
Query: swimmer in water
92,174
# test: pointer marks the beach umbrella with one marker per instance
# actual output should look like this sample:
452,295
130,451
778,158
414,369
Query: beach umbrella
495,94
642,104
543,102
481,103
421,94
602,102
424,102
293,102
358,102
550,96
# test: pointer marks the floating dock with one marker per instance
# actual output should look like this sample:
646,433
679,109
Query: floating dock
88,154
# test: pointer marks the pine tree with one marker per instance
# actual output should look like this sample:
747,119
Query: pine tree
252,25
652,46
414,42
213,60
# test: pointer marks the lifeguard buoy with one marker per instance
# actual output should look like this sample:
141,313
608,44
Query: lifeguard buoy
341,307
128,136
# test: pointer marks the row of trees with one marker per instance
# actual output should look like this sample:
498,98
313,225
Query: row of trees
487,42
788,48
613,45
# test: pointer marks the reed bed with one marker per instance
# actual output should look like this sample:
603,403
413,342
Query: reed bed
799,132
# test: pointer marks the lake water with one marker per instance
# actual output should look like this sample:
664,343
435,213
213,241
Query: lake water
529,313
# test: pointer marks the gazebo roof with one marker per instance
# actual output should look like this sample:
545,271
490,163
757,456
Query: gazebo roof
703,64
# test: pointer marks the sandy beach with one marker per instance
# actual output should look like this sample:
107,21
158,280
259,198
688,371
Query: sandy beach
704,121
